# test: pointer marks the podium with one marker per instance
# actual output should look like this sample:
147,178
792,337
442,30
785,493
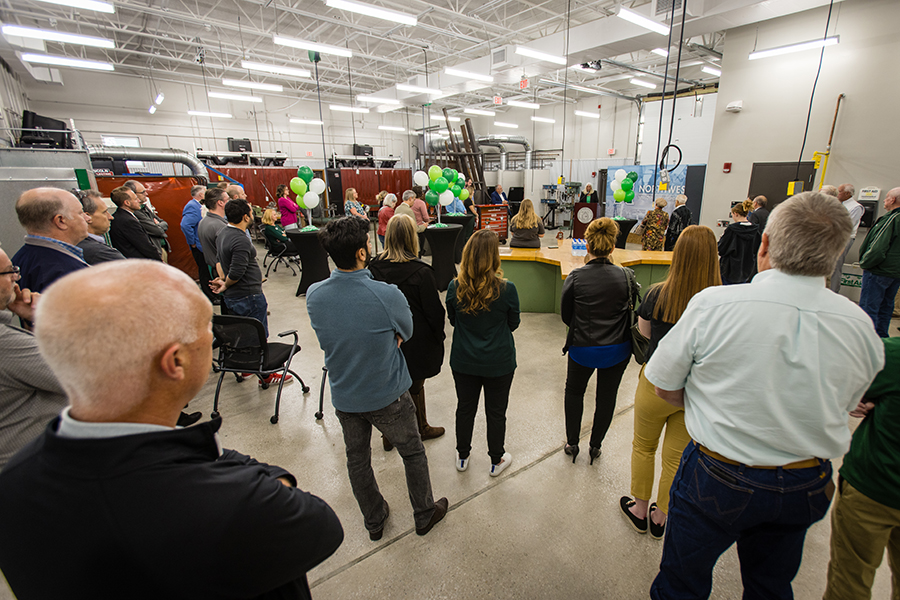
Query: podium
583,213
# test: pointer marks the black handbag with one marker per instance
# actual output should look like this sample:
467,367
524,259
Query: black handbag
639,344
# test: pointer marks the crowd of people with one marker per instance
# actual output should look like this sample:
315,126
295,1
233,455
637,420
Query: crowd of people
746,456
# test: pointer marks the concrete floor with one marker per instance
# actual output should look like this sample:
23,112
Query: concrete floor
544,529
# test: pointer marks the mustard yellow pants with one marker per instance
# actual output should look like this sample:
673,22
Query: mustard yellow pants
861,528
651,413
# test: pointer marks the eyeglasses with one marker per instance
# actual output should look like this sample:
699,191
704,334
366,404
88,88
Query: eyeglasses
13,270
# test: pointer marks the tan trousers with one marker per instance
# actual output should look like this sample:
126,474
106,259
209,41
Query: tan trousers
651,413
860,530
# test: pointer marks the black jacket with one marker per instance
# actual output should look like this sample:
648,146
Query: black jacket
129,238
594,304
97,252
424,351
737,252
156,515
680,219
759,217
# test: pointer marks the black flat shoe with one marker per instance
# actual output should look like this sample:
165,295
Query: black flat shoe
376,535
594,453
571,450
656,531
186,420
639,525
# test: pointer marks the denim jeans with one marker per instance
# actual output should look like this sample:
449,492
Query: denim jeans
765,511
250,306
496,399
877,299
838,273
608,380
397,422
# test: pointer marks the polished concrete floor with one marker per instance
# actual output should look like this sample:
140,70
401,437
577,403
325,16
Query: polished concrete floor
546,528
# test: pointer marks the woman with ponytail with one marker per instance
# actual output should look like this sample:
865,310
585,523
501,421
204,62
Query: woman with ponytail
738,246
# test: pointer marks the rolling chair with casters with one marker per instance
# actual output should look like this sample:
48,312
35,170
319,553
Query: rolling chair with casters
279,253
243,348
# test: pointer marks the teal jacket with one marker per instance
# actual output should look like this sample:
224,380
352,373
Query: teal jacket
880,251
483,343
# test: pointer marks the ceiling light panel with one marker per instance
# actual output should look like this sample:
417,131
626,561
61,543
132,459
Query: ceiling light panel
660,52
373,11
237,97
525,51
642,83
642,21
389,128
418,90
104,7
543,120
469,75
352,109
304,45
799,47
478,111
306,121
520,104
152,109
65,61
57,36
712,71
589,115
214,115
276,69
159,98
507,125
588,90
253,85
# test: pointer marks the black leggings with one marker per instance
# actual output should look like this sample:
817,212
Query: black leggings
608,379
496,399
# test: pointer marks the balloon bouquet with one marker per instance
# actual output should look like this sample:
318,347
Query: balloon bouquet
623,186
443,186
308,187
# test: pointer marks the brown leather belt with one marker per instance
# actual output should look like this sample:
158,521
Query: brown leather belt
800,464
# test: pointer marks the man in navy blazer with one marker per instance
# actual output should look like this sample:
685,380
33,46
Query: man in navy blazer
498,196
54,223
126,233
95,248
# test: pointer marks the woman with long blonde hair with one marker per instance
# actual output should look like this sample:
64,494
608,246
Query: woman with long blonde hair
352,205
424,351
484,311
694,268
526,227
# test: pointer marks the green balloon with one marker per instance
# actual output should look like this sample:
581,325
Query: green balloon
439,185
434,172
633,176
629,196
298,186
305,173
432,197
300,201
464,195
449,175
456,190
619,195
627,184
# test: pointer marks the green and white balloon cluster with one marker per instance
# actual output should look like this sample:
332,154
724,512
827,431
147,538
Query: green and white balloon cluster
623,186
443,185
307,187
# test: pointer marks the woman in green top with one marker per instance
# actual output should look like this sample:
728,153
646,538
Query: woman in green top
275,233
484,311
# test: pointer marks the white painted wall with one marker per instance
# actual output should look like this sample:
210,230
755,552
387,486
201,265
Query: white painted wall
775,93
692,130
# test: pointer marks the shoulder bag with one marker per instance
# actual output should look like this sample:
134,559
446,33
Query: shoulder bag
639,343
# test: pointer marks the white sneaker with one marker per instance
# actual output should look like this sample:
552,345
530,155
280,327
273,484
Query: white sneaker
501,466
461,463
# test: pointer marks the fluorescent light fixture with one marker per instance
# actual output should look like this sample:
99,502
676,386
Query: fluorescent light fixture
438,117
253,85
581,88
478,111
641,20
353,109
798,47
276,69
104,7
200,113
524,51
469,75
418,90
642,83
238,97
58,36
661,52
306,121
519,104
712,71
589,115
373,11
543,120
377,99
507,125
159,98
304,45
152,109
389,128
64,61
385,108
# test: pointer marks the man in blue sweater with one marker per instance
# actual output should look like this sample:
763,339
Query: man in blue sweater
369,378
191,216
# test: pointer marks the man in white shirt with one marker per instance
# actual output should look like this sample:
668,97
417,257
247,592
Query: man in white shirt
767,373
856,210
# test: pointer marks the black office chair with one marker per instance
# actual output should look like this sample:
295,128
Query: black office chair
243,348
280,254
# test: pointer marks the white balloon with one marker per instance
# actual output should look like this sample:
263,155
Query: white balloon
621,174
311,199
421,178
616,185
316,186
446,198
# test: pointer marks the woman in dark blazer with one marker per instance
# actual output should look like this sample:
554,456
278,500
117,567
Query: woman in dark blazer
595,305
424,351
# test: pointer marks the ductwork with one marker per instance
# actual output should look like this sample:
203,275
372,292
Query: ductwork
152,155
440,145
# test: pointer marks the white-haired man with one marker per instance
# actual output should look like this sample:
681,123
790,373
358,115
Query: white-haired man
681,218
845,194
112,486
758,472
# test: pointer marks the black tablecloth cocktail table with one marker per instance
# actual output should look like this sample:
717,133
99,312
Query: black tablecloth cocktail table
442,241
468,225
313,258
625,227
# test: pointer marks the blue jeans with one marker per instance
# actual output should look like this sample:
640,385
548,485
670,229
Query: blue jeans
765,511
250,306
877,299
397,422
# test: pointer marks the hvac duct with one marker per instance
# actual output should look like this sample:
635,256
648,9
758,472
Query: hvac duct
152,155
498,141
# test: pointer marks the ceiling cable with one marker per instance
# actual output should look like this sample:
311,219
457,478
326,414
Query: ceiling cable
813,94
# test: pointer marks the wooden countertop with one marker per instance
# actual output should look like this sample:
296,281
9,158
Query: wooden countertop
562,257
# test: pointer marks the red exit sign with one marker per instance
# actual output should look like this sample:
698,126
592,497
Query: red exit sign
309,153
523,84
